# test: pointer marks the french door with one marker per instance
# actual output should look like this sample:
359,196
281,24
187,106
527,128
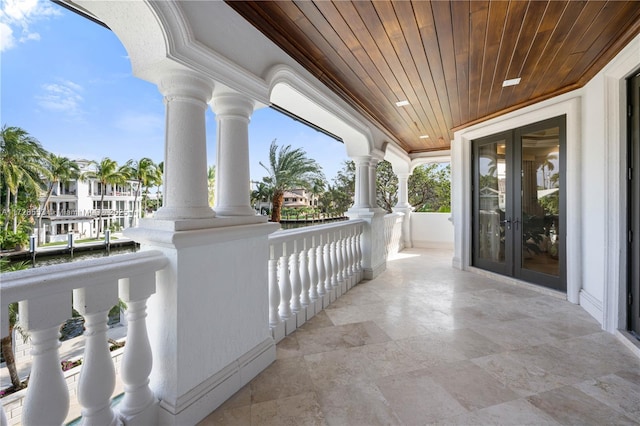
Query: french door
519,203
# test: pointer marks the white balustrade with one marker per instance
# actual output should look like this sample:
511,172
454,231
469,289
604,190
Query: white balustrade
316,265
44,295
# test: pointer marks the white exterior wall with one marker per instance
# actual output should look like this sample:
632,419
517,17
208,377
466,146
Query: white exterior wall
593,196
431,230
596,185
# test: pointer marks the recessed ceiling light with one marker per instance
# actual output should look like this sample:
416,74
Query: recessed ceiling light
511,82
424,137
402,103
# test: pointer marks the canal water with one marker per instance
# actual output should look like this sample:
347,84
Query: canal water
96,253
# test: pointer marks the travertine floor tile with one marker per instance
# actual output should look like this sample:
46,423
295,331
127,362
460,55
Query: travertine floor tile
471,386
361,404
570,406
418,399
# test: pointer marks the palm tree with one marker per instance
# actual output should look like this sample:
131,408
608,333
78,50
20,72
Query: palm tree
20,165
160,177
59,170
547,166
316,189
288,169
262,192
211,184
106,173
144,173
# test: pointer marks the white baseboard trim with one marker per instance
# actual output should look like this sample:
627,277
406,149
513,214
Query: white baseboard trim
592,305
445,245
199,402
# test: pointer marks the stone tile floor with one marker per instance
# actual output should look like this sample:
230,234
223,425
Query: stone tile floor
427,344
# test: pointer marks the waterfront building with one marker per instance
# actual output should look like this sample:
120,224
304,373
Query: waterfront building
74,207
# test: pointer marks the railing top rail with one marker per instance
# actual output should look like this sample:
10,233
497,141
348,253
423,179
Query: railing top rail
49,280
291,234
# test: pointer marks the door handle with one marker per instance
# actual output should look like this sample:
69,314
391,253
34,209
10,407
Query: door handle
506,222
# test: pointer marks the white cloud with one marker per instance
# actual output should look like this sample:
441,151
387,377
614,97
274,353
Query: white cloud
17,16
64,96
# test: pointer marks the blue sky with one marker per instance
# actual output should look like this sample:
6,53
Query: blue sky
67,81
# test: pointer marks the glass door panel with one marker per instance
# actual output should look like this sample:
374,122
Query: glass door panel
491,245
540,204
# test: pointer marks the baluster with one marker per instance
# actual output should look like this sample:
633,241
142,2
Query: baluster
313,275
47,400
340,273
359,254
274,289
294,278
285,285
322,273
139,403
345,258
305,278
328,269
335,266
349,247
97,376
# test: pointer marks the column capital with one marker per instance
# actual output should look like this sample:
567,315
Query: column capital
230,104
364,160
186,84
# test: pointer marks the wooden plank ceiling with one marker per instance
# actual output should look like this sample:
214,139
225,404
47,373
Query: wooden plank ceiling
447,59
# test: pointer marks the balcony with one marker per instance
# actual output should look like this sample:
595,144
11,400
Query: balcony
349,352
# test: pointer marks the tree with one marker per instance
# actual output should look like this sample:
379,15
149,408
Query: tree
547,167
429,187
386,186
288,169
106,173
21,164
211,184
262,193
59,170
339,197
144,173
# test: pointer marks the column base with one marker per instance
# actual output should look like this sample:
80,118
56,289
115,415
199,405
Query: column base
234,211
191,224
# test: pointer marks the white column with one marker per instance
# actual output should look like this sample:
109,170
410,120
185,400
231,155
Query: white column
403,206
373,188
362,193
233,111
185,166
